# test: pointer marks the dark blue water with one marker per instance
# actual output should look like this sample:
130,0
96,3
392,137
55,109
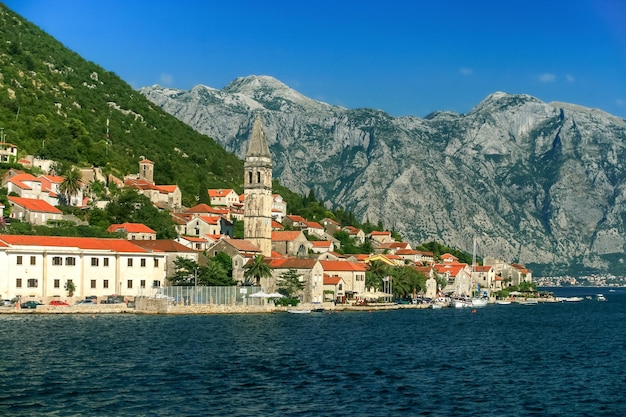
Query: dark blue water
565,359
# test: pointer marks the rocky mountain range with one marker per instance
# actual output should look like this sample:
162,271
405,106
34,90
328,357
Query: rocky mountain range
539,183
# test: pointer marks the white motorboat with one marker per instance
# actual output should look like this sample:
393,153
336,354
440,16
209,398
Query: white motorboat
600,297
299,311
503,302
461,302
479,302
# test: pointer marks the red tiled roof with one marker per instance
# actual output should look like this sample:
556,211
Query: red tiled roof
331,280
452,269
276,225
297,263
407,252
220,193
321,243
194,239
114,245
483,268
163,245
286,235
296,218
53,178
313,225
211,219
342,266
243,245
32,204
168,188
205,208
130,228
377,233
20,178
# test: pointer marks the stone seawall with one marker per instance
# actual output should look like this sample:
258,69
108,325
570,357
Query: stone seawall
159,306
75,309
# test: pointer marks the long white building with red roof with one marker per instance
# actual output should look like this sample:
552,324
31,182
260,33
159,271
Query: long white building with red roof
42,266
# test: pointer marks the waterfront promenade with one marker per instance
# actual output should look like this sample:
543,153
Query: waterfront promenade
162,307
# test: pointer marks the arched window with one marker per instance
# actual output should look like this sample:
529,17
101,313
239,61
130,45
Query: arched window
258,177
249,177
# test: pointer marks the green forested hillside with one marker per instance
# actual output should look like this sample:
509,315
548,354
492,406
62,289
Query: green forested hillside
55,104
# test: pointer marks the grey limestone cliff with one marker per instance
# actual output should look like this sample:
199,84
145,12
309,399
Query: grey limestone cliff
539,183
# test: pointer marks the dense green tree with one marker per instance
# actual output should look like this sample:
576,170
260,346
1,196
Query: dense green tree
71,184
255,270
185,272
375,273
226,261
214,274
289,283
406,281
129,206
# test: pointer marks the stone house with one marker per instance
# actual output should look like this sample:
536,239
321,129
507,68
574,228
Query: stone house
337,285
322,246
8,152
314,229
167,196
37,212
458,277
485,277
221,197
294,221
352,273
357,235
393,247
378,238
291,243
200,225
310,272
196,243
330,226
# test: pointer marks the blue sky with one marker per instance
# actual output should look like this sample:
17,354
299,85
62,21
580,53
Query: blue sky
403,57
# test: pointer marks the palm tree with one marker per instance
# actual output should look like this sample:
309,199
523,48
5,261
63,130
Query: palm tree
256,270
71,184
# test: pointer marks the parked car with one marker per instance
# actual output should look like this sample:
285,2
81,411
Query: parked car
31,304
86,302
58,303
5,303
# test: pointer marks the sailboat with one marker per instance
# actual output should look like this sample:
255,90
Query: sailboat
476,301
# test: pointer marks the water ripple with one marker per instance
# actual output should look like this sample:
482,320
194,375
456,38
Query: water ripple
546,360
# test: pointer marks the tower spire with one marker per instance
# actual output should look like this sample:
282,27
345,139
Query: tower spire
258,142
257,220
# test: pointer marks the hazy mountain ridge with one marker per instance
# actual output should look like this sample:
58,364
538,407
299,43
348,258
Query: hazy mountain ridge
535,182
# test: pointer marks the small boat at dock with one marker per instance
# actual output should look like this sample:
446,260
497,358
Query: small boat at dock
299,311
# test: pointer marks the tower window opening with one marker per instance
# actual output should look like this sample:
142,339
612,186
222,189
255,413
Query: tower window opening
258,177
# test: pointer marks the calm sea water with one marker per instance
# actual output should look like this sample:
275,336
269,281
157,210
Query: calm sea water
566,359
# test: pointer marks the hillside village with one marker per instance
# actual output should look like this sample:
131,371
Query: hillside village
45,267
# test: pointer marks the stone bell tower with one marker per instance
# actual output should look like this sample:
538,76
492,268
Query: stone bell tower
257,220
